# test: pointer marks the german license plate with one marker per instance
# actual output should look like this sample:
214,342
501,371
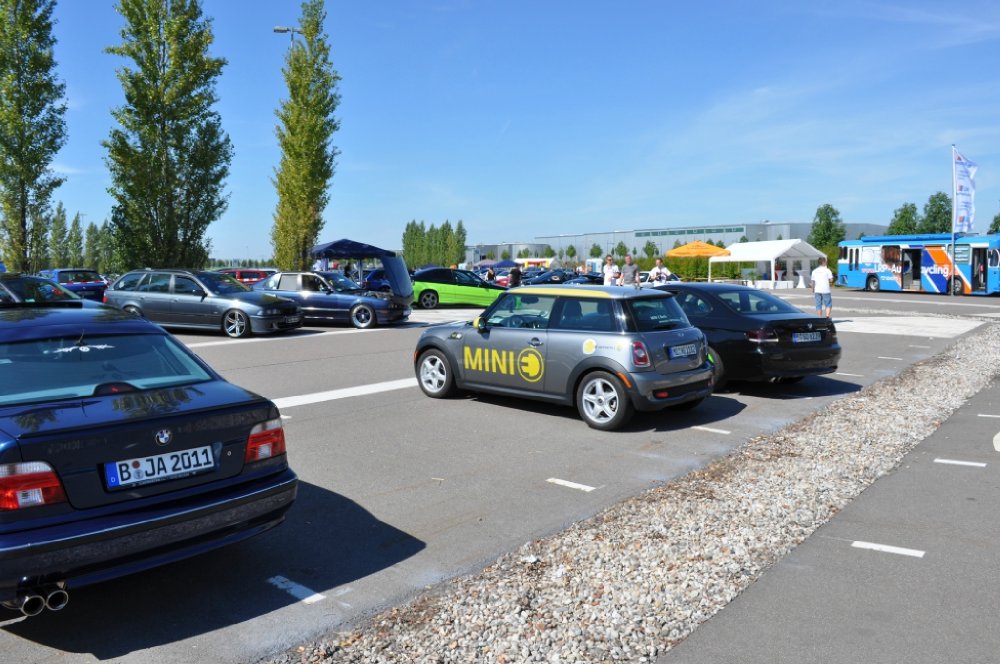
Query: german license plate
144,470
805,337
686,350
291,319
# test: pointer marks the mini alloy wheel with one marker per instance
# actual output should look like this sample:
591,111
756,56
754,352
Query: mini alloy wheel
602,401
434,374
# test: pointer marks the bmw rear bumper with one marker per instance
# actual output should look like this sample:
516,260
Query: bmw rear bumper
94,550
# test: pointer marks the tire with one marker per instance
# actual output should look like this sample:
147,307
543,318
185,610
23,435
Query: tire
602,401
236,324
363,317
133,310
428,299
872,283
718,369
434,374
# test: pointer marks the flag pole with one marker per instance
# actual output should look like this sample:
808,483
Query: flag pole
954,196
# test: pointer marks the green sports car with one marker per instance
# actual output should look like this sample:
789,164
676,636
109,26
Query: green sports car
440,285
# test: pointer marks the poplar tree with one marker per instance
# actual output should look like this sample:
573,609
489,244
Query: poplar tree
305,134
169,157
74,242
92,246
58,252
32,130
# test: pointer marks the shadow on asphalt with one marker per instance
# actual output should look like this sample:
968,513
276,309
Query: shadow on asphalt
326,541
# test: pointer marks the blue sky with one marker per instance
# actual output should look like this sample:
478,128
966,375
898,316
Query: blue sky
548,117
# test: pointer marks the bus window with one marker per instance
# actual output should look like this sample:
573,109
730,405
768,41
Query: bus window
994,257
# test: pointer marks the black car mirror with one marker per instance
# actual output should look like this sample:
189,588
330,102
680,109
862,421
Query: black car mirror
480,324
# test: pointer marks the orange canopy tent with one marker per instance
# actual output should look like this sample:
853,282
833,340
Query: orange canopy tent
697,249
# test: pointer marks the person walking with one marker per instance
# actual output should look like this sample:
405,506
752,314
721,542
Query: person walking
491,275
611,272
514,277
630,273
821,279
659,274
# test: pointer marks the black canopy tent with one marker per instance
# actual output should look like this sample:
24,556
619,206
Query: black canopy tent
395,268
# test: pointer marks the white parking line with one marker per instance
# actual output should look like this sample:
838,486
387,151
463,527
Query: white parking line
344,393
953,462
844,373
296,590
711,430
882,357
916,346
986,415
885,548
571,485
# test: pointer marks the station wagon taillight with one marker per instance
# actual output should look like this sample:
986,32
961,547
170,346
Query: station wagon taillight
640,356
29,485
266,440
764,336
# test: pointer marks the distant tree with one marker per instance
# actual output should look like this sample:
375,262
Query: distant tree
505,255
744,238
524,253
74,242
904,220
678,243
650,249
562,252
995,226
635,252
305,133
779,237
596,251
58,249
109,261
571,252
937,214
460,239
491,255
827,227
621,249
32,129
549,251
91,246
168,156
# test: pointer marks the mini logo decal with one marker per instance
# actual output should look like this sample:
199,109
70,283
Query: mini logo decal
163,437
589,346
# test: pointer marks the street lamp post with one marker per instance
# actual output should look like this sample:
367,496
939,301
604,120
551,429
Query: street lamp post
283,29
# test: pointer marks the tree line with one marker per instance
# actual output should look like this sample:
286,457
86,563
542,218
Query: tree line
168,155
434,245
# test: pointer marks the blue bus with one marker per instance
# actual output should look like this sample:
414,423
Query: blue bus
922,263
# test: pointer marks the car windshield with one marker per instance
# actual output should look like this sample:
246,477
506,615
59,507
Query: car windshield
340,282
222,283
35,289
660,313
755,302
75,366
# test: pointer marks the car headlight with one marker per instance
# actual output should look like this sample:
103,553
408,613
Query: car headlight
270,312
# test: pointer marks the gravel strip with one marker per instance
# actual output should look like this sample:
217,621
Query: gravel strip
633,581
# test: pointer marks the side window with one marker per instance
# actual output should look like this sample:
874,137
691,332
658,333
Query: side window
311,283
466,279
129,281
994,257
157,282
522,311
186,286
694,305
589,314
271,282
289,282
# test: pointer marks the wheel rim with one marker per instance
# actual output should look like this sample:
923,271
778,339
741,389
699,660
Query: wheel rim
363,316
600,400
433,374
236,324
428,300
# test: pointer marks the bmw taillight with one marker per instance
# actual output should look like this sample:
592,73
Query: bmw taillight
640,356
29,485
266,440
764,336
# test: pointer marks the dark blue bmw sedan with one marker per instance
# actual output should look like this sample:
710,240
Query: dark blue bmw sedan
120,450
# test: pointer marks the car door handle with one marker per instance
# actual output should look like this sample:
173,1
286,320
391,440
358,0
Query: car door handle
536,342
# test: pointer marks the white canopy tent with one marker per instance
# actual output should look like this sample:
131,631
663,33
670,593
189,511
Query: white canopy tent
771,251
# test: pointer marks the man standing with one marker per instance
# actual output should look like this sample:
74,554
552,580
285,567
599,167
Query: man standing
821,279
659,274
630,273
611,272
514,277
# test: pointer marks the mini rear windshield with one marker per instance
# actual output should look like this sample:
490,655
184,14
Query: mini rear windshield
78,366
660,313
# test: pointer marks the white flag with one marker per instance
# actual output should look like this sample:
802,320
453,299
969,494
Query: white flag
964,183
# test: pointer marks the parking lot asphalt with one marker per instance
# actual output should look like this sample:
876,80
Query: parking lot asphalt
908,572
400,492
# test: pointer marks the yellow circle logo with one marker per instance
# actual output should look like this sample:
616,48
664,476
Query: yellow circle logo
589,346
530,365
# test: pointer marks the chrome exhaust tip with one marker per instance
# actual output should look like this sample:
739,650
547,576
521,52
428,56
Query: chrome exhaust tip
32,604
56,599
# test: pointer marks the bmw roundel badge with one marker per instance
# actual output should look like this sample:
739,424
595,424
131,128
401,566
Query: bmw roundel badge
163,437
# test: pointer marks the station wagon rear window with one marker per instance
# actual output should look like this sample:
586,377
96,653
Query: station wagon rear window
80,366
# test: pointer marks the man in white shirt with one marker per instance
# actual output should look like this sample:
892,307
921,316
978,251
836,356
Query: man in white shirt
611,272
659,274
821,279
